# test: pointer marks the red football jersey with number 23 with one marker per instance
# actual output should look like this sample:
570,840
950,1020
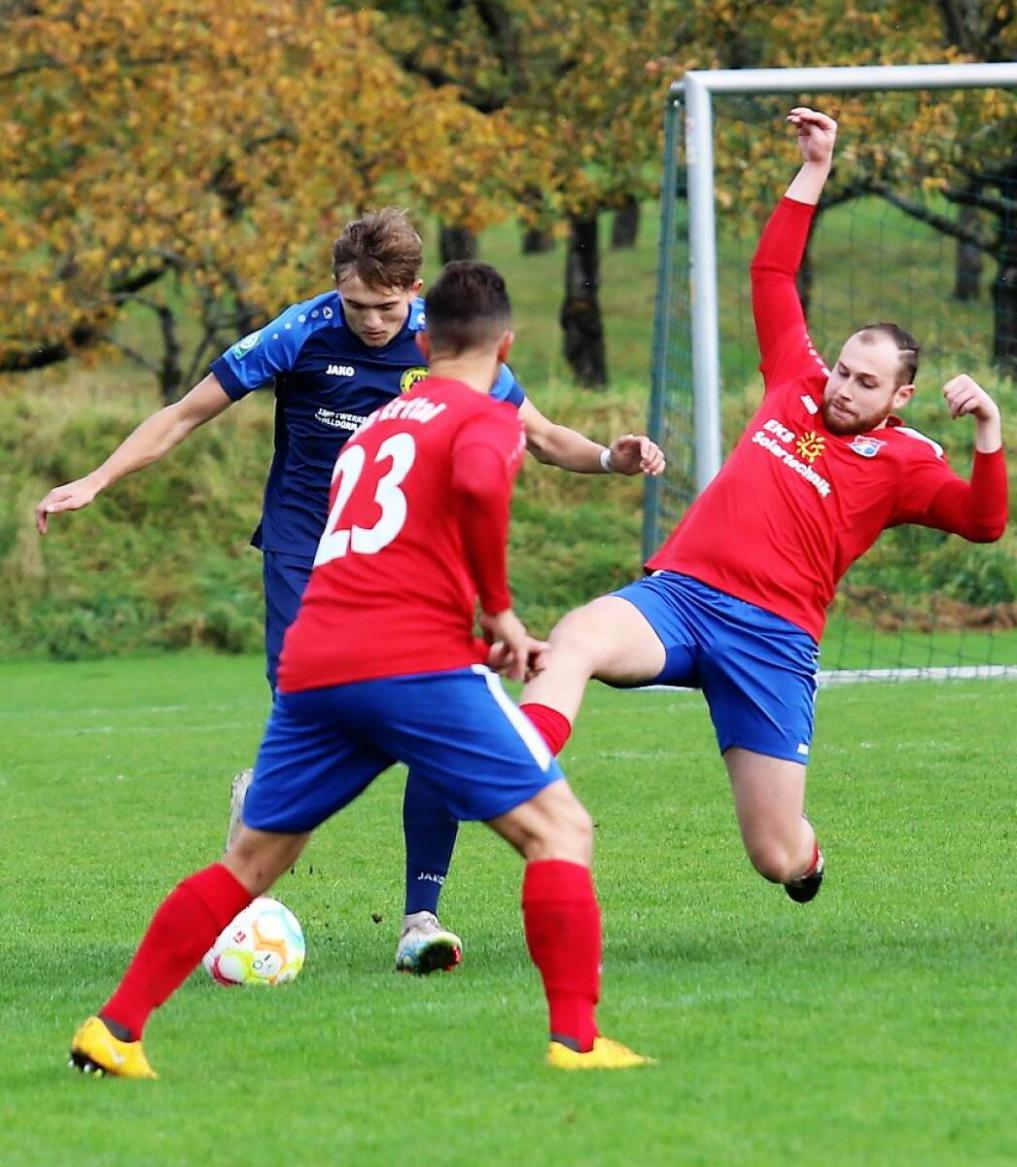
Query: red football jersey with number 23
417,530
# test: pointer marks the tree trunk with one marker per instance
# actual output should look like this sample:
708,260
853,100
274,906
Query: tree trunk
456,243
581,320
625,225
1004,315
171,373
537,240
969,262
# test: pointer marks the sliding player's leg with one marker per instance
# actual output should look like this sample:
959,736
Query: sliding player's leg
430,834
612,639
759,677
769,795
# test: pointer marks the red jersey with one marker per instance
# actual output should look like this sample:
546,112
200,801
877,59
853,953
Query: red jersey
416,532
795,505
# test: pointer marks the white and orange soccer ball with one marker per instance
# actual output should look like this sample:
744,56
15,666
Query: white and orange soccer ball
263,945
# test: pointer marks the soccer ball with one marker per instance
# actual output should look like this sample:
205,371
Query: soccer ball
263,945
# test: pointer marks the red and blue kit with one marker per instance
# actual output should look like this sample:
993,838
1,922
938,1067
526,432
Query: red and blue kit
416,531
795,505
739,592
381,663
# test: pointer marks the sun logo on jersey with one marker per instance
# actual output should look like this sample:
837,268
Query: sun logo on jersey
810,446
410,378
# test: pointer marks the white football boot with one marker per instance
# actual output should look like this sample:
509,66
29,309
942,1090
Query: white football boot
426,947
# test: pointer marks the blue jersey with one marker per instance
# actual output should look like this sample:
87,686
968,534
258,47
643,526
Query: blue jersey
327,381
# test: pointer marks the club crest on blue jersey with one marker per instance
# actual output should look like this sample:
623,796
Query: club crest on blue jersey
866,446
410,378
244,346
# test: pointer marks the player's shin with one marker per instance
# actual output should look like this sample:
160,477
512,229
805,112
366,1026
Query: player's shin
182,930
430,833
561,918
554,727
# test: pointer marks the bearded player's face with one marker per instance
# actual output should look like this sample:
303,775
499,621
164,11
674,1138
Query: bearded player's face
375,314
862,389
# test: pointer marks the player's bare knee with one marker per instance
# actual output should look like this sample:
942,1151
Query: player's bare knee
773,860
575,635
569,832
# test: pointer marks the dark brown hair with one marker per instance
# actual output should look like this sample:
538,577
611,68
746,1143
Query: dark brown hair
906,344
467,307
381,248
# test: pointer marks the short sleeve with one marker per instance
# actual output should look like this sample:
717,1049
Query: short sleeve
262,355
507,388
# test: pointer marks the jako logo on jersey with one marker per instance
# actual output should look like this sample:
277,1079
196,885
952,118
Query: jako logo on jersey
410,378
810,405
243,347
810,446
867,447
340,371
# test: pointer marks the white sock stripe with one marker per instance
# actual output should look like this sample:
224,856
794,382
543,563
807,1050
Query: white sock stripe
522,724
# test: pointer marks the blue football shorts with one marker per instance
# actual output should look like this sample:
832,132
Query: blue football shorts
285,580
459,730
757,671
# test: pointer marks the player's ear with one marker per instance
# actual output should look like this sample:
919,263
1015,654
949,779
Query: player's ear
505,342
902,395
424,344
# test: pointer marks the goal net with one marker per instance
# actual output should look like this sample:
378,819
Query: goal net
918,224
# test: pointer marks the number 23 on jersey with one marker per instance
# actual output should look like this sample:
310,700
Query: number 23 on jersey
389,468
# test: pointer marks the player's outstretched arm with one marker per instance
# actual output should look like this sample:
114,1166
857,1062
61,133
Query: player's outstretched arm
817,134
557,445
152,440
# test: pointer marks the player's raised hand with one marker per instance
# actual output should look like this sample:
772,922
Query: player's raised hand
637,454
72,496
817,133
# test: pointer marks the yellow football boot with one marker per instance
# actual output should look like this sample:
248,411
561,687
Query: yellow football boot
95,1050
605,1055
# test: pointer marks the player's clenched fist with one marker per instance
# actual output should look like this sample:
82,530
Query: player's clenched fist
817,133
963,395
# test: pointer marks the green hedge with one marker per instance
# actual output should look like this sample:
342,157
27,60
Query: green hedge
162,561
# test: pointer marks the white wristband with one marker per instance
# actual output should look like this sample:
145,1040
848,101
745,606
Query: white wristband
605,460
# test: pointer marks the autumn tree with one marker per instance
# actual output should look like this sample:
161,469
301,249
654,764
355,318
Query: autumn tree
188,160
582,87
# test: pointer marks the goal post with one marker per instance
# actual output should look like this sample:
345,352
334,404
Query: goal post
894,223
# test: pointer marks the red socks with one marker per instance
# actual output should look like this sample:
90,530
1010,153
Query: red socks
182,930
553,727
561,919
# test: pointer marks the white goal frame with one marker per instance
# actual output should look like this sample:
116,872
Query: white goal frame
695,93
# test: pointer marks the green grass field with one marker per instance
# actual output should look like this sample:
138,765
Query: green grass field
874,1026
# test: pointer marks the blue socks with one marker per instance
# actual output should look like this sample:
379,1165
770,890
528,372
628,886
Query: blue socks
430,833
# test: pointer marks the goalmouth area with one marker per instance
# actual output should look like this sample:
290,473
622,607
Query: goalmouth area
918,224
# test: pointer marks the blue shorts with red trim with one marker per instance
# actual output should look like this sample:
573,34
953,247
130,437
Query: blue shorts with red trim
757,671
459,730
